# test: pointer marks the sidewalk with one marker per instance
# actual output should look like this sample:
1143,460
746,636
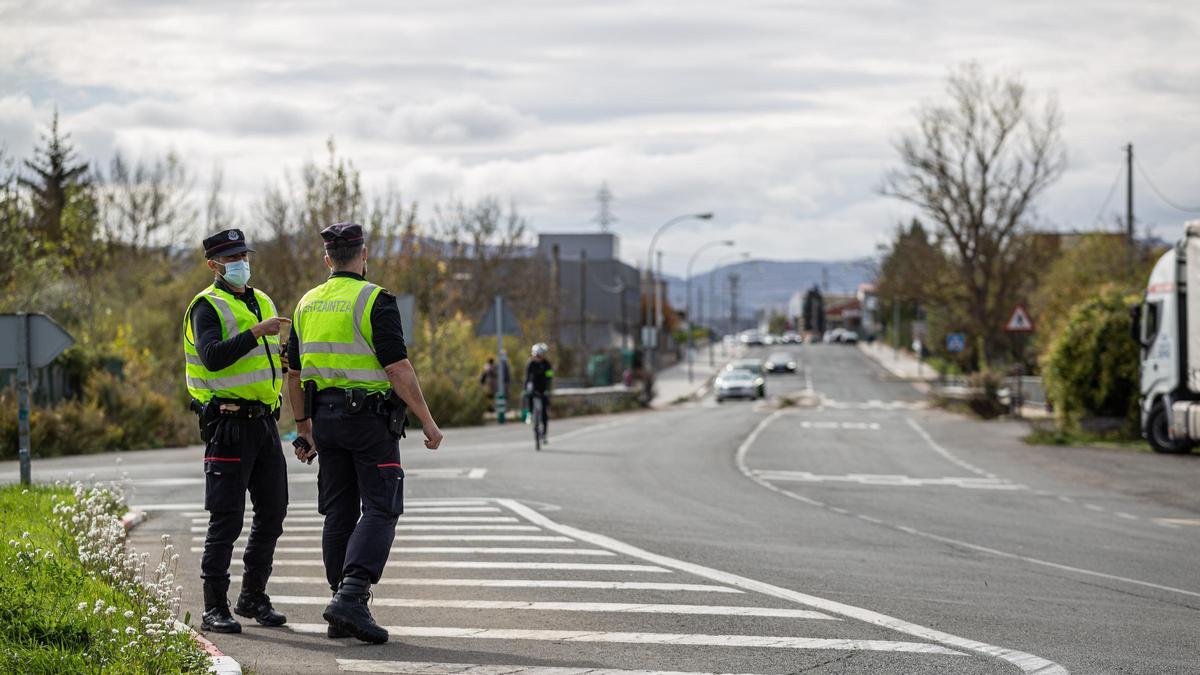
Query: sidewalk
671,384
901,363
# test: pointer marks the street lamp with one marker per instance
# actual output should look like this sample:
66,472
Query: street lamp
688,299
745,255
657,316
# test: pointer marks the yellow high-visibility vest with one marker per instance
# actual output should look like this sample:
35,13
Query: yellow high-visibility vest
256,375
336,346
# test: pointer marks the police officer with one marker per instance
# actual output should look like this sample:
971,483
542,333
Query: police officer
233,372
356,380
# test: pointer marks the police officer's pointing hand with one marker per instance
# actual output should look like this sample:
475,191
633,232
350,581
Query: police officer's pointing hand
269,326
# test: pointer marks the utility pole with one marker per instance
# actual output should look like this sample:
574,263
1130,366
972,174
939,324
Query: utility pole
733,301
659,289
1129,202
556,298
583,303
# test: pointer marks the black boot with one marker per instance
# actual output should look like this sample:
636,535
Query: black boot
255,603
216,617
333,632
348,611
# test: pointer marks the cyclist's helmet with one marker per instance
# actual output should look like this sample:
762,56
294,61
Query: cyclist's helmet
539,349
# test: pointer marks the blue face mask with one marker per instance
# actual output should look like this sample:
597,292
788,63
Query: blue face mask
237,273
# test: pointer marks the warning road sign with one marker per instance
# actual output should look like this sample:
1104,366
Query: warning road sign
1019,321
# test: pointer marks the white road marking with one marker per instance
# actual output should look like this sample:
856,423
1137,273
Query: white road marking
477,565
1176,522
469,473
1093,507
474,550
406,518
861,426
288,527
429,537
609,607
808,380
1126,516
1028,663
1018,658
946,453
1068,500
833,404
429,668
531,583
889,480
689,639
197,508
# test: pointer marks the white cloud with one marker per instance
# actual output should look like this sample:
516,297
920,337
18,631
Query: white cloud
777,116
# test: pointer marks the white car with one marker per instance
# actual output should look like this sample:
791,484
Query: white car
739,384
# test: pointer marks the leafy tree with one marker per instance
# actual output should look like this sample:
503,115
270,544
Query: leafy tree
1092,366
974,166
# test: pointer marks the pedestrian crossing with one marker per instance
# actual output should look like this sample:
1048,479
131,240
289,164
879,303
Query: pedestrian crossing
581,602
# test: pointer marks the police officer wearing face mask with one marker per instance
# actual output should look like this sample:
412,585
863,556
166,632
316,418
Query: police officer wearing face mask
231,347
356,382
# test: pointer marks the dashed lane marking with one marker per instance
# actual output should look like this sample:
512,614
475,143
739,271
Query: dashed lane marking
937,447
473,550
889,480
197,508
1195,522
467,473
407,519
681,639
605,607
532,583
427,668
482,565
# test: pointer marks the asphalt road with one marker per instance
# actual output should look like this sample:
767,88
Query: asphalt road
859,532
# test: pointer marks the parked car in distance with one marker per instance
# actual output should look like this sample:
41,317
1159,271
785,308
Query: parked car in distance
780,362
848,337
739,384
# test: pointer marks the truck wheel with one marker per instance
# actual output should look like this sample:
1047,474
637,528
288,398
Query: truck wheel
1160,439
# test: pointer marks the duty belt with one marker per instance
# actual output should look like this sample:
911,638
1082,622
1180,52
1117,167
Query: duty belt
242,409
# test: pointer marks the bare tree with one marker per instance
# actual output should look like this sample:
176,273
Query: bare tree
975,165
145,204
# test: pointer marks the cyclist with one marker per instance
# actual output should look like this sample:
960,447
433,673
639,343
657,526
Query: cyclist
539,375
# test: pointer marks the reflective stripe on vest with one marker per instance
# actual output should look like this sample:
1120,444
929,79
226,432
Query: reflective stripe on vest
255,376
336,347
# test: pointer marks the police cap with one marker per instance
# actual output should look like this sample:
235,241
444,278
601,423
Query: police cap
225,242
343,235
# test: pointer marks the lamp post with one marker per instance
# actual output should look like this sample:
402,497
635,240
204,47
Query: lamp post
650,264
745,255
688,298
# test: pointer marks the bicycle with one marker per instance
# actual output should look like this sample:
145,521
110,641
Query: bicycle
539,421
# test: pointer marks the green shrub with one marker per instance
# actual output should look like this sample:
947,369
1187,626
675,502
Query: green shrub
453,403
1091,368
985,394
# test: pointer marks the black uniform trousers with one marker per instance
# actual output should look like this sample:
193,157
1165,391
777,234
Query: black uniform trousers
243,454
360,489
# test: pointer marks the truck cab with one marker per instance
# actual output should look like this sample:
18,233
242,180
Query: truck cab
1170,353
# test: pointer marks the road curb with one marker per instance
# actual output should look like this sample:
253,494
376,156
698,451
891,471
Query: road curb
221,663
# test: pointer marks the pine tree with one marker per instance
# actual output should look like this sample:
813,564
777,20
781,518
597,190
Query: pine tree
57,176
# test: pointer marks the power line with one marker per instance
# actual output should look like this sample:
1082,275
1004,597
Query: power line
1166,200
1111,190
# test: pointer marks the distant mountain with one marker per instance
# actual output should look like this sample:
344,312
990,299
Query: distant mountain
769,284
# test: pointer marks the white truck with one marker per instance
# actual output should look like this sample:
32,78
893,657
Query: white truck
1167,326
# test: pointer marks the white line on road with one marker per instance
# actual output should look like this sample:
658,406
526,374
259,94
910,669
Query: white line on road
477,565
474,550
532,583
862,426
688,639
407,519
946,453
197,508
469,473
287,538
1126,516
611,607
289,527
428,668
1027,662
890,480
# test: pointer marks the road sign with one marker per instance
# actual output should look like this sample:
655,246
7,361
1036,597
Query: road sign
28,341
46,340
488,324
1019,321
405,304
955,342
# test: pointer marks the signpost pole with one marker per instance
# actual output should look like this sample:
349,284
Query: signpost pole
23,397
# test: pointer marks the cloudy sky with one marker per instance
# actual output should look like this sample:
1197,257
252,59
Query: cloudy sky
778,116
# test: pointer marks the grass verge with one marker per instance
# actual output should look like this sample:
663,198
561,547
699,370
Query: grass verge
1082,439
73,600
